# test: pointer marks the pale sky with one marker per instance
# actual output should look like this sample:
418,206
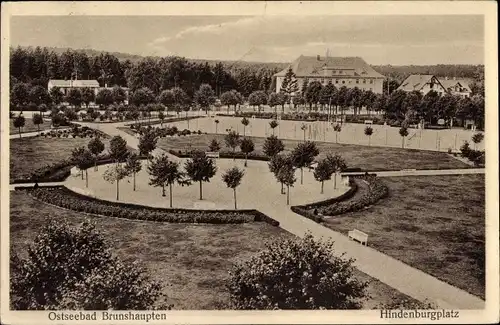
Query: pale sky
395,40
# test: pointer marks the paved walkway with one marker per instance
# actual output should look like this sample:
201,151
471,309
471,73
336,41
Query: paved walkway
394,273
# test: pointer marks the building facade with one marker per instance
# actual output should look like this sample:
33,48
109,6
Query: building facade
456,87
340,71
66,85
426,83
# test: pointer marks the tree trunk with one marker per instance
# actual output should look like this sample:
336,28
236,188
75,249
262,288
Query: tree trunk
304,135
244,129
403,142
134,181
86,178
335,181
336,137
216,128
95,163
38,125
201,192
246,158
163,190
19,132
170,190
369,139
322,184
287,195
82,173
117,190
235,205
282,188
234,154
301,175
227,109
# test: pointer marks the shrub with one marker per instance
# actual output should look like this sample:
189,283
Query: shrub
73,268
296,274
398,303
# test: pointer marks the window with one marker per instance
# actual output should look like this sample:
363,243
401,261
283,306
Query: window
364,81
357,81
323,80
340,72
343,81
371,81
336,81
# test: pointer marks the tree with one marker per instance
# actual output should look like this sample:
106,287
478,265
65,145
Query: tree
118,150
205,97
83,160
403,132
164,172
115,174
245,123
56,95
141,97
74,97
337,164
477,138
273,124
19,123
257,98
161,116
337,128
37,120
289,85
228,98
273,101
96,147
276,163
272,146
323,172
133,165
200,169
19,95
368,133
296,274
180,99
88,96
232,140
303,155
104,97
232,178
147,142
42,108
214,146
312,93
303,127
38,95
286,176
327,95
247,146
118,94
216,125
72,268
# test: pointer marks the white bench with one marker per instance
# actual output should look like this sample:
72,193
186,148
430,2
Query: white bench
212,154
359,236
369,122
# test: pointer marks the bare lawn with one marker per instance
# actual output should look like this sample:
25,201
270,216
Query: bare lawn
191,261
433,223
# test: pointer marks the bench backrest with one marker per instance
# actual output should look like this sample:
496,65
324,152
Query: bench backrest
360,233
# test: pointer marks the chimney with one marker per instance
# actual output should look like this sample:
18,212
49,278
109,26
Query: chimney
318,57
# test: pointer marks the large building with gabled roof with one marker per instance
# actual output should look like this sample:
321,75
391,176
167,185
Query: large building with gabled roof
340,71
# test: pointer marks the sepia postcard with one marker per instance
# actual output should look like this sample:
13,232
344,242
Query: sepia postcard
249,162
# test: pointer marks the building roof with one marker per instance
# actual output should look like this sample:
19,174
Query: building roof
448,83
415,82
310,66
74,83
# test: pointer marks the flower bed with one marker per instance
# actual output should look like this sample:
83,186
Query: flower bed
63,197
75,131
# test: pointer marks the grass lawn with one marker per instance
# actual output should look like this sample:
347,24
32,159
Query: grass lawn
433,223
365,157
191,261
28,154
28,126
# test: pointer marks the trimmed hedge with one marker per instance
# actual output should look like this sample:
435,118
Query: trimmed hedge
65,198
222,154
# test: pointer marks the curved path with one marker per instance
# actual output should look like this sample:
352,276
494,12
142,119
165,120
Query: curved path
392,272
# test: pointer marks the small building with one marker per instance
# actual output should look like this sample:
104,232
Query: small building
422,83
66,85
456,87
340,71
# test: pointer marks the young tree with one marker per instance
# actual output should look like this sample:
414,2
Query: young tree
286,175
200,169
83,160
164,172
216,125
205,97
322,280
337,164
247,146
368,133
96,147
232,140
19,123
147,142
276,163
232,178
303,155
403,132
161,116
115,174
337,128
273,124
477,138
245,123
228,98
73,268
273,101
272,146
133,165
118,150
323,172
37,120
214,146
88,96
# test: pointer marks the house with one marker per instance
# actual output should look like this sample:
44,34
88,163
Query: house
340,71
66,85
456,87
423,83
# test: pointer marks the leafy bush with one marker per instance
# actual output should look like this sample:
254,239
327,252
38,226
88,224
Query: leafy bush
65,198
406,304
73,268
296,274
